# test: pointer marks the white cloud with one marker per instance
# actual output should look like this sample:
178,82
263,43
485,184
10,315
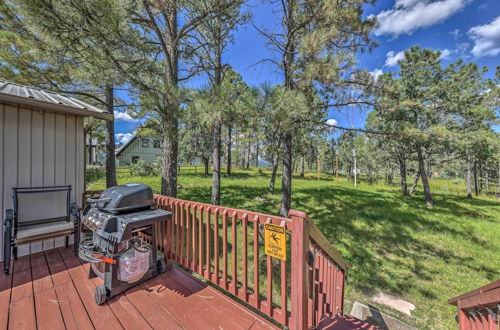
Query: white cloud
486,38
393,58
462,50
123,116
409,15
123,138
456,34
445,53
331,122
376,73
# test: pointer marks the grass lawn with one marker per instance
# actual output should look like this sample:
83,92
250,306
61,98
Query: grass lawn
395,245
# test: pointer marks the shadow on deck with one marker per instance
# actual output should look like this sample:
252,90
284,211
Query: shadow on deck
51,290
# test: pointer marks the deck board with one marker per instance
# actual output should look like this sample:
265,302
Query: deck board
5,285
102,317
51,290
127,314
22,306
72,309
48,312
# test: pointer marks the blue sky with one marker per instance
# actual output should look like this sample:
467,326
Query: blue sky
467,29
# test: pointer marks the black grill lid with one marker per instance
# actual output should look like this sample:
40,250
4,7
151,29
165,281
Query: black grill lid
125,198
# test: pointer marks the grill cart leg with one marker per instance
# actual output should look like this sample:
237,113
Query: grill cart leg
92,274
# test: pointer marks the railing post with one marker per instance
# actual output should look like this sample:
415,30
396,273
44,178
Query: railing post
300,244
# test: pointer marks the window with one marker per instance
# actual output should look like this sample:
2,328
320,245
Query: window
135,159
145,143
156,144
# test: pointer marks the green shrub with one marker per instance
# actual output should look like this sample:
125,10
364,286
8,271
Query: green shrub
141,168
94,173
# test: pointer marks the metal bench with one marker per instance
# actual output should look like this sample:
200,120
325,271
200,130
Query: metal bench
39,213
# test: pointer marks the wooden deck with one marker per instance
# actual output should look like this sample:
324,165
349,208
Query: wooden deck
50,290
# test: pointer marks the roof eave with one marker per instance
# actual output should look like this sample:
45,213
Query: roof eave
125,146
42,105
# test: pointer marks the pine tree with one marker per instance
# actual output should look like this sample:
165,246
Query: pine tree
316,46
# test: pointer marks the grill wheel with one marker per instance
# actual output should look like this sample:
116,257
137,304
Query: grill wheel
100,294
161,266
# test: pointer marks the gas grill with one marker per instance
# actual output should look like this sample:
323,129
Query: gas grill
119,220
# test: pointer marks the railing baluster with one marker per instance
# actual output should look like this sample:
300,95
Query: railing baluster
170,233
181,234
256,262
207,233
188,235
224,248
328,287
176,231
269,266
216,246
316,287
283,292
193,234
321,281
337,290
341,292
234,254
244,256
200,241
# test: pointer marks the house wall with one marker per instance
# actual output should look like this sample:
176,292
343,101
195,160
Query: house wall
149,154
39,149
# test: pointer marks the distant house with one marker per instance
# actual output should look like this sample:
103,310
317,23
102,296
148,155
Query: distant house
147,148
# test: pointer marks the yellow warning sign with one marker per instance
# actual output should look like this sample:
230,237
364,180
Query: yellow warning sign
275,241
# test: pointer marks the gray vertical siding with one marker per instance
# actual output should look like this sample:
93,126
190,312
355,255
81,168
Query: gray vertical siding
39,149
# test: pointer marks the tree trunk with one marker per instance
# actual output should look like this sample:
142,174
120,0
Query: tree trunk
415,182
302,166
481,176
247,166
402,174
423,174
273,175
476,187
257,154
286,183
229,145
169,156
110,141
468,178
91,161
170,121
206,163
389,178
487,180
216,160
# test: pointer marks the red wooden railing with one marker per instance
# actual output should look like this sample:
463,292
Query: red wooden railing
225,246
479,308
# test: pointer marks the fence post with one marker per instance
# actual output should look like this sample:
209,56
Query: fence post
300,244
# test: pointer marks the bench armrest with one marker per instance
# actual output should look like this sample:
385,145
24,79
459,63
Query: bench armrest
75,210
9,215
